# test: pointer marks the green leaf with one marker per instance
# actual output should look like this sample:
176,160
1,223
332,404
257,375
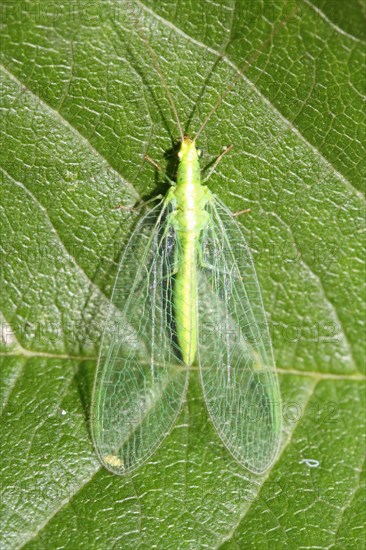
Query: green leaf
81,104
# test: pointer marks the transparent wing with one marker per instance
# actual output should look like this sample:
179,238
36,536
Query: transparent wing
141,381
235,354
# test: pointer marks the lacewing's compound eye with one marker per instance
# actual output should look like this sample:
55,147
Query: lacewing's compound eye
186,288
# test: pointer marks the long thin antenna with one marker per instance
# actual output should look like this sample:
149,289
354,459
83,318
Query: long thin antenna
243,70
162,78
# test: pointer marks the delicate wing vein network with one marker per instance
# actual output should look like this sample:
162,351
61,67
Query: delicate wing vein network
235,354
141,380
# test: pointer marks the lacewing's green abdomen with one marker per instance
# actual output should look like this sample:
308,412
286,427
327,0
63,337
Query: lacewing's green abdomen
189,219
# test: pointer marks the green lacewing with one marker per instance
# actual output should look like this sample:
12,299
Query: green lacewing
186,292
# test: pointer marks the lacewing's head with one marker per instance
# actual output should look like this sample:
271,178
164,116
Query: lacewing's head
188,151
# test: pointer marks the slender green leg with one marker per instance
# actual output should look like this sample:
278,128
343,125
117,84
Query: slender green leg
156,165
158,197
217,161
241,212
139,205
